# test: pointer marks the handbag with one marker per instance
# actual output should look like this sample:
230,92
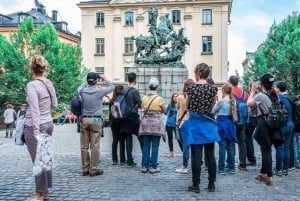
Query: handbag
19,136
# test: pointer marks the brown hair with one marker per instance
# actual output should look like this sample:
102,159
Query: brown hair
227,89
118,91
10,106
202,70
38,64
186,84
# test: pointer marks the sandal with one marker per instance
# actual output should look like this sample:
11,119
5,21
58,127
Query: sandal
36,197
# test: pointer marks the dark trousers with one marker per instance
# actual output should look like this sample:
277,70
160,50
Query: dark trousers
241,135
127,139
266,155
196,156
170,131
292,152
249,141
115,128
9,129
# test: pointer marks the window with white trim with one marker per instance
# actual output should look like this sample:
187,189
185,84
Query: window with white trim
129,18
206,44
100,19
128,46
176,17
100,45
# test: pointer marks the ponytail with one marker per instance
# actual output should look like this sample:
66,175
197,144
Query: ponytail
233,108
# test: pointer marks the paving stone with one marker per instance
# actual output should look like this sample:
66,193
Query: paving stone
119,183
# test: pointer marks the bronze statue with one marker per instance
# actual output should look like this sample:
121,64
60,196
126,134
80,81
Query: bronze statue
164,45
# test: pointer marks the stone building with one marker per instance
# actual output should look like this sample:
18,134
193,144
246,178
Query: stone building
107,27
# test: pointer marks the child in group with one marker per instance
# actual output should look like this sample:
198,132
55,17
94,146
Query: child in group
171,113
225,110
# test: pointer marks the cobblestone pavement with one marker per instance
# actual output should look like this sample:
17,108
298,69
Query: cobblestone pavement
121,183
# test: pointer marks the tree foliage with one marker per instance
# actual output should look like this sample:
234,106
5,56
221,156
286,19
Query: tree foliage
64,70
279,54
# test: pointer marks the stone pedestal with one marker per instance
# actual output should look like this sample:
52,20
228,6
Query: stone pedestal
170,77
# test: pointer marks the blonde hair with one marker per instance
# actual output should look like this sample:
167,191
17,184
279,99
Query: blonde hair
38,64
227,89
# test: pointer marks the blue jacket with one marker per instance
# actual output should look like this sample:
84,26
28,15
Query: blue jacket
199,129
226,127
171,119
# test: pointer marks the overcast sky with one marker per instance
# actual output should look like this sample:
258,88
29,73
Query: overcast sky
250,20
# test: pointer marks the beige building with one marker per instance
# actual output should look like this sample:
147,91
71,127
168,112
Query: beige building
108,25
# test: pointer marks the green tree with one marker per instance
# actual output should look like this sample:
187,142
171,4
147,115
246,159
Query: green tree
279,54
65,70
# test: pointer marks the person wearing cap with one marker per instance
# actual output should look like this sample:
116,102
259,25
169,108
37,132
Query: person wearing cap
152,127
91,123
131,123
240,129
200,128
263,133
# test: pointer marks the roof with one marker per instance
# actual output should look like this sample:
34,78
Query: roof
39,18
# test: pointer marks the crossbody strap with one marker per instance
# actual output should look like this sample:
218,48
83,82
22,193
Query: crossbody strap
46,88
180,119
149,107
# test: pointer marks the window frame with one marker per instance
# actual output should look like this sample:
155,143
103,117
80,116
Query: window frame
100,45
100,70
128,46
208,49
129,22
207,16
175,14
100,19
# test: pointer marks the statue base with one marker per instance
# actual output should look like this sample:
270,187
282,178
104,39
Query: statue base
171,78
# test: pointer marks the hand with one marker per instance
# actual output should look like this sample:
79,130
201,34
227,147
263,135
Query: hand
102,77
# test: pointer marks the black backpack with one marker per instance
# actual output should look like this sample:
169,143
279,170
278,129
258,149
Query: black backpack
277,117
295,103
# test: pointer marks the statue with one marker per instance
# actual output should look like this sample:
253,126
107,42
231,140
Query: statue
163,46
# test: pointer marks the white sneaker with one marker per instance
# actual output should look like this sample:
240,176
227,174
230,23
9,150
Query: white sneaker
182,170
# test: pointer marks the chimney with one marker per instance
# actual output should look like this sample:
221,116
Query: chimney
54,15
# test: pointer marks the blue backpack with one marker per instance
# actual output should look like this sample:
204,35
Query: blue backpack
76,104
242,110
119,108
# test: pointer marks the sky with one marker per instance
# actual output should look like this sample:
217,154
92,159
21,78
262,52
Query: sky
250,21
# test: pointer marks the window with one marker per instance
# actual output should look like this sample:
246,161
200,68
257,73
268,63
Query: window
99,19
128,46
206,44
207,16
176,17
126,71
129,18
21,17
1,19
100,46
99,70
64,26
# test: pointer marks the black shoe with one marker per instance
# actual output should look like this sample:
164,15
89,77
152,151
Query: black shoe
115,162
285,172
211,187
98,172
194,189
251,163
131,165
85,173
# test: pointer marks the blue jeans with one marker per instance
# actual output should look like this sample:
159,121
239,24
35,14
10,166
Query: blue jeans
226,145
241,140
297,148
283,151
151,142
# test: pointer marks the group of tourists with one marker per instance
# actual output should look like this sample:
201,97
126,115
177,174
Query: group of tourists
196,116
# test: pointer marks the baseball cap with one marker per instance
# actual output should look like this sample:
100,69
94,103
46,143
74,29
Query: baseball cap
267,80
92,76
153,82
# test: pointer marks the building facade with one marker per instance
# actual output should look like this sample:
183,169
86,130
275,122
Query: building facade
107,27
11,22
